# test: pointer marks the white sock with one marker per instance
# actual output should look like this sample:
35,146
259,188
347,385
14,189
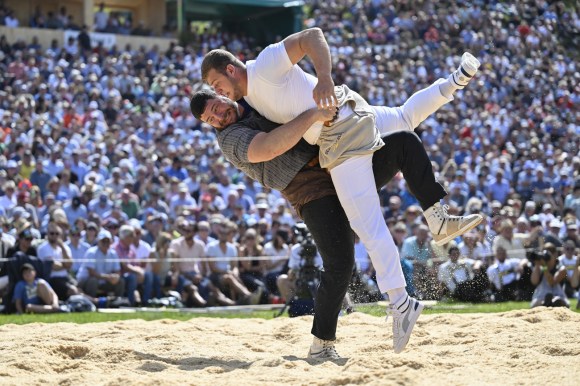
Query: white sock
397,295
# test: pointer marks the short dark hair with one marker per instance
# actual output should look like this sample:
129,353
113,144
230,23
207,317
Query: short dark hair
199,100
218,60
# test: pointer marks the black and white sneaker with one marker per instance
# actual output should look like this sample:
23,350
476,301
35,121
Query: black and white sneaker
322,349
404,317
466,70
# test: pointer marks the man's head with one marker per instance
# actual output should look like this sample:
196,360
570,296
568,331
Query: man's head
53,233
225,73
28,272
213,109
454,254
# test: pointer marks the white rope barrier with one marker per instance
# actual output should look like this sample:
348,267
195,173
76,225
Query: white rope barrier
171,259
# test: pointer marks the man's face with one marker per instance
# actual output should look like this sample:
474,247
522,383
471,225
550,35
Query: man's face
220,112
225,84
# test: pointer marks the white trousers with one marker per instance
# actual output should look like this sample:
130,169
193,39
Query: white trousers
415,110
355,186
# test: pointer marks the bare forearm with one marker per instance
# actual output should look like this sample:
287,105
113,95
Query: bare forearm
267,146
315,46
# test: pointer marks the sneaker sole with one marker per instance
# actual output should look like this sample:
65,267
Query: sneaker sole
412,322
472,62
450,237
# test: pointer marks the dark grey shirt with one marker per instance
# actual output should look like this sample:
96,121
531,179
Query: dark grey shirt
277,173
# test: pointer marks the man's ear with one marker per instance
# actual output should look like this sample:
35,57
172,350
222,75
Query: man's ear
231,69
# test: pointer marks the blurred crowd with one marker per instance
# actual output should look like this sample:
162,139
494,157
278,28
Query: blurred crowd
107,22
102,160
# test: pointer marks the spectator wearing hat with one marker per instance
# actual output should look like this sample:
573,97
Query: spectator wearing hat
54,250
39,177
23,201
34,295
78,248
100,273
262,208
12,171
546,216
101,204
176,169
75,209
572,232
182,200
8,200
552,235
216,200
132,270
244,199
24,238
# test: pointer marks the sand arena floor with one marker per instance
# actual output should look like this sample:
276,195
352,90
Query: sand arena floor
539,346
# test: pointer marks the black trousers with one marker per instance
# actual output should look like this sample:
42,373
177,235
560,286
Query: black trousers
329,226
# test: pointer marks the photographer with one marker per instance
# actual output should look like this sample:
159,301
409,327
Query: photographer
547,276
303,267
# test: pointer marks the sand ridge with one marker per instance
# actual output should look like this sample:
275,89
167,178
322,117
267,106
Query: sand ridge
511,348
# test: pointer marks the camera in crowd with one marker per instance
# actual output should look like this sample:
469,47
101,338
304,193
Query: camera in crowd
538,256
308,276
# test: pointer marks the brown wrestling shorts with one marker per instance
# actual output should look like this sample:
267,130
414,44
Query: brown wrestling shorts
311,183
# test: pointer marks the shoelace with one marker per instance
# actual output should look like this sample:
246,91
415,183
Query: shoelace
329,350
445,214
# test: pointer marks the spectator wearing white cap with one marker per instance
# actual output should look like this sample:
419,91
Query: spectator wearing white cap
8,200
101,204
244,199
262,212
546,216
181,201
100,274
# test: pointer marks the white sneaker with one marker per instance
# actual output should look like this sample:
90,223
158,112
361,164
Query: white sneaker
404,318
256,296
466,70
322,349
445,227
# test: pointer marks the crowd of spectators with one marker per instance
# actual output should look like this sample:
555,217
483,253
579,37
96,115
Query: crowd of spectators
101,158
107,22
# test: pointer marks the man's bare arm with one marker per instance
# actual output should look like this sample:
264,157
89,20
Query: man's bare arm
311,42
267,146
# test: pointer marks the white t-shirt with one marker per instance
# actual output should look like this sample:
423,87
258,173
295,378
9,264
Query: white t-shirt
279,90
570,264
501,274
214,250
46,252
